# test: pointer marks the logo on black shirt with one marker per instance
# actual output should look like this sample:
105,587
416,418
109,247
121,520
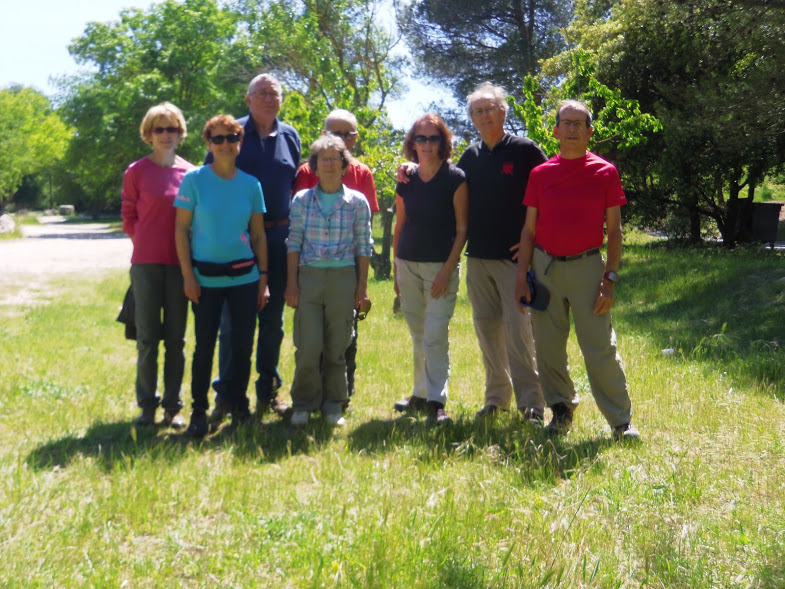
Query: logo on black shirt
507,168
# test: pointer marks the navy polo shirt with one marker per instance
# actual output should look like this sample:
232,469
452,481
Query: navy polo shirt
273,161
497,181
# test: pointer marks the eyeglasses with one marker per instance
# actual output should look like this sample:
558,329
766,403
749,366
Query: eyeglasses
265,94
329,160
172,130
219,139
485,110
421,139
345,135
565,124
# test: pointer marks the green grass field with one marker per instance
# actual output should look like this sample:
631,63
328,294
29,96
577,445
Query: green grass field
88,500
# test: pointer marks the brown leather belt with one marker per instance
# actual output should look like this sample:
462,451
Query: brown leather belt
280,223
586,254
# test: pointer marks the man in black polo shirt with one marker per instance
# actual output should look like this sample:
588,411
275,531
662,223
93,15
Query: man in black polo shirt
497,170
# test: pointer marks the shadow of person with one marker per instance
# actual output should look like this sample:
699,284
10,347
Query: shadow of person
507,443
268,442
112,444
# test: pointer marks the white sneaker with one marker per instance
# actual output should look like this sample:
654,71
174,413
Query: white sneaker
335,419
300,417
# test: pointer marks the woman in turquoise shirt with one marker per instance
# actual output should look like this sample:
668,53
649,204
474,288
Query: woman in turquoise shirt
221,245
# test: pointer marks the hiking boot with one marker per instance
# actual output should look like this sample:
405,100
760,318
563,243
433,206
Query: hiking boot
413,404
561,422
626,431
273,404
532,415
489,411
173,419
436,414
220,411
198,426
146,417
241,418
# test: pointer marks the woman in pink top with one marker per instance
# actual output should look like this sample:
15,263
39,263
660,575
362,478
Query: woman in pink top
149,188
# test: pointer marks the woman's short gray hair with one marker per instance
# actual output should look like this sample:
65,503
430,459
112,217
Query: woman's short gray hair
324,143
498,94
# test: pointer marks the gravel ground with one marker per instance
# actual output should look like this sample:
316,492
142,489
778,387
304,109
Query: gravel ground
55,249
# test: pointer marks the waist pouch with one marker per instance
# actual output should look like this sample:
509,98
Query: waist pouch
234,268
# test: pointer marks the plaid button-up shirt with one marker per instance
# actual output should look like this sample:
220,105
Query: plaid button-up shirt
336,235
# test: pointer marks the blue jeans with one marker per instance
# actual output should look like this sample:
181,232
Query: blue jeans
240,304
268,346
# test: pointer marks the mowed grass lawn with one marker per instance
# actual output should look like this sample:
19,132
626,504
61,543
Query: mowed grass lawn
88,500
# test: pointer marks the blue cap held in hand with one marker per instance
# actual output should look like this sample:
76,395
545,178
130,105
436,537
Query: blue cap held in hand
540,295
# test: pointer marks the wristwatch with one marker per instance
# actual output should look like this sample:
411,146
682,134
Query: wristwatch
611,277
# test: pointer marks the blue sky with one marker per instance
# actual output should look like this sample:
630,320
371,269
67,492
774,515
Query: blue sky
36,35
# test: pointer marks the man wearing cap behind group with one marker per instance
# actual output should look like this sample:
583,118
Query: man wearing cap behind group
570,199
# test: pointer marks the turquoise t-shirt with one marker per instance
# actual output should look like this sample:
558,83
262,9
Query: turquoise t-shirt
222,210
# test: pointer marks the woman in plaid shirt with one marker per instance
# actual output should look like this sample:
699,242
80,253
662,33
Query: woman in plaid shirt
329,234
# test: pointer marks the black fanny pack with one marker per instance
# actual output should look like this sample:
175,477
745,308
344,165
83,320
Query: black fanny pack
234,268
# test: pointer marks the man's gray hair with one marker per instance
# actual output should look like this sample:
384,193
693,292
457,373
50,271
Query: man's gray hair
574,105
267,77
340,114
498,94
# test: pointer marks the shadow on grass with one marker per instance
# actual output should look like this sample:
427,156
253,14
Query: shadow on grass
505,442
509,443
111,444
119,444
723,307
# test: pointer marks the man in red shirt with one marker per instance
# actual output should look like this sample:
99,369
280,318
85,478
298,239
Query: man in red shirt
358,176
570,198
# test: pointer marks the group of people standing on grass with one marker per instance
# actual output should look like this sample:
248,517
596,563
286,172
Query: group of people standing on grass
252,230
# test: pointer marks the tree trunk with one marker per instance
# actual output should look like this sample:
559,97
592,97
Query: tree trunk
732,221
695,225
745,215
382,266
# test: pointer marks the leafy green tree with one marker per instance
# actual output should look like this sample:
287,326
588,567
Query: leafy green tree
461,43
173,51
32,137
619,124
332,54
713,73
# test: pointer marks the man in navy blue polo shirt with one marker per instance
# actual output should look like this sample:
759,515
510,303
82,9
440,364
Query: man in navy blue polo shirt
271,153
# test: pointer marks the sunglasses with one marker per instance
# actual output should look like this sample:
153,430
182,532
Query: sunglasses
172,130
219,139
421,139
345,135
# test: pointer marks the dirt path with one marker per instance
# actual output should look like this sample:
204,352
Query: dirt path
54,249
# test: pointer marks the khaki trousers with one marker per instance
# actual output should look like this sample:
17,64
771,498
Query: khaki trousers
574,286
322,330
504,335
